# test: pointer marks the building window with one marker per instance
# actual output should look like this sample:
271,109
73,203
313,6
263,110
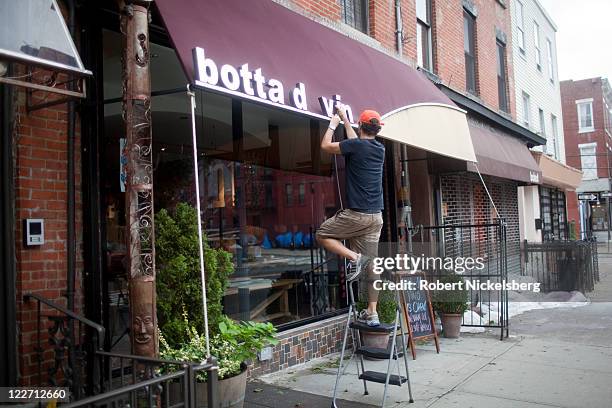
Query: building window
289,194
520,25
355,14
588,160
526,109
301,193
549,56
469,46
585,115
501,77
536,43
423,33
555,136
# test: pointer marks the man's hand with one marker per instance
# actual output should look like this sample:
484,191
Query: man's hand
334,122
341,113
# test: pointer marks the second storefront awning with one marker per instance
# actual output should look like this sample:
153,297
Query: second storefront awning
502,155
269,54
557,174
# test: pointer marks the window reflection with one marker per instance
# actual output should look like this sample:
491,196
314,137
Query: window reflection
265,189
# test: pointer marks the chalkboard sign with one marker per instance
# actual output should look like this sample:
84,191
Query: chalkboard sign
417,307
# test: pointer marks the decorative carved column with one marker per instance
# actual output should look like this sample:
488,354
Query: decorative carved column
139,185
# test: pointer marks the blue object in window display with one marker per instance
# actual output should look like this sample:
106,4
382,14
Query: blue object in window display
298,239
307,241
266,244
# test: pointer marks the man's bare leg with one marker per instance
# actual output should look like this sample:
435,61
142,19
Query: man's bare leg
336,247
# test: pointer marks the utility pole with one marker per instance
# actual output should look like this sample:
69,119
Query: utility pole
139,186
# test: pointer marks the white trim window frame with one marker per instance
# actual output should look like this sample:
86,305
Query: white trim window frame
584,108
520,25
549,57
526,109
536,44
423,34
588,160
555,134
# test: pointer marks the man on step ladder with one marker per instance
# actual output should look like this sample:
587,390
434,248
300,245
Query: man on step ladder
361,222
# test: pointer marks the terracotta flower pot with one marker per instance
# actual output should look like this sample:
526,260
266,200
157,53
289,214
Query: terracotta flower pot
375,340
451,324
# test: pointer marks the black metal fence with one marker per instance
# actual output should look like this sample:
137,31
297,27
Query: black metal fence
486,241
68,350
561,265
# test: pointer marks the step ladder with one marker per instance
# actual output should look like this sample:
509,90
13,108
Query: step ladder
391,354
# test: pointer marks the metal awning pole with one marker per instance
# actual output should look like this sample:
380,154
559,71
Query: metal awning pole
200,240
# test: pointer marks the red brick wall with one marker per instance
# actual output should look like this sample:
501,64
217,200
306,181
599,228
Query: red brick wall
449,58
570,92
41,192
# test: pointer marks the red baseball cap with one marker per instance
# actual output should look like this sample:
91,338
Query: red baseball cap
367,116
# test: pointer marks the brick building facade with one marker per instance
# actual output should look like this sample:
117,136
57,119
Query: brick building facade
588,140
41,161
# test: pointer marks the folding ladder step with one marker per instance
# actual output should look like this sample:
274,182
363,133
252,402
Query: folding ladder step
382,328
378,377
375,352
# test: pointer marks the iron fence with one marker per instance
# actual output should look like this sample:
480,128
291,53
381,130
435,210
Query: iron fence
561,265
68,350
489,308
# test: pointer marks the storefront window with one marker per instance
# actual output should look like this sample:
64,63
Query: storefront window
265,189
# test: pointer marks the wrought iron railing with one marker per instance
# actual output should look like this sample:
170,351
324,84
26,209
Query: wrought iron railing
485,240
65,345
562,265
69,353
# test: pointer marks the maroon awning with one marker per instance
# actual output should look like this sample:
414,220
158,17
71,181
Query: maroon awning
293,49
502,155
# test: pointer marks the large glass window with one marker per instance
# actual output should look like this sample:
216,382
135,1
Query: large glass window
469,46
265,188
355,14
423,33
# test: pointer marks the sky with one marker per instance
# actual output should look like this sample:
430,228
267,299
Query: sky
584,37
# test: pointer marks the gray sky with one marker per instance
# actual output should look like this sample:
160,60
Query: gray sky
584,35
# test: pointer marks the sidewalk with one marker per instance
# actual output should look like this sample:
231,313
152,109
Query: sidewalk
554,358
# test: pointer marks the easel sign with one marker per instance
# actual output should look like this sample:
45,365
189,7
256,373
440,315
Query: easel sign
416,305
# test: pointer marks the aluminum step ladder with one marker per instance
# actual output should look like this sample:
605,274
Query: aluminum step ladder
390,354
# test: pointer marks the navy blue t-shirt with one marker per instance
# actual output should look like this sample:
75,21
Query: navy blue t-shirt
364,171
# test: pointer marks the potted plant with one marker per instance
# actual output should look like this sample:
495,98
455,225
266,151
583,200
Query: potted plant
179,306
451,304
234,345
385,308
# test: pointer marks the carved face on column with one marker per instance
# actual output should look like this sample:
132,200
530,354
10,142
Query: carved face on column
143,329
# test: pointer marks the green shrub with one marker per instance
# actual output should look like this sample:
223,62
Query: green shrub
233,344
385,307
179,285
451,301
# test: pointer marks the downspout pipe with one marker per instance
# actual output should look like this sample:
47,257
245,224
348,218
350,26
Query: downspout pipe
406,210
71,245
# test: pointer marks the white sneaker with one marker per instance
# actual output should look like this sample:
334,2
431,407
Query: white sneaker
355,267
371,319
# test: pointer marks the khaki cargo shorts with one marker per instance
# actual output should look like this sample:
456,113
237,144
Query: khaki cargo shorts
362,232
